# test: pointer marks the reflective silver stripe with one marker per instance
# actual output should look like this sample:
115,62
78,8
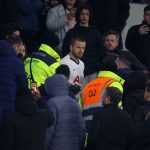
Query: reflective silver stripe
93,106
88,118
104,88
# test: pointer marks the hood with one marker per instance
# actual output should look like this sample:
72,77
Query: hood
56,85
6,49
25,103
112,75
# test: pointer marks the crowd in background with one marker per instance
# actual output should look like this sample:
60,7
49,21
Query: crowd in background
65,81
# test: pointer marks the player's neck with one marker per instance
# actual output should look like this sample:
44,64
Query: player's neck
74,58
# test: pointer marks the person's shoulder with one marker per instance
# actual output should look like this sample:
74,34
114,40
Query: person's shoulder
134,27
124,113
65,59
60,6
16,61
56,10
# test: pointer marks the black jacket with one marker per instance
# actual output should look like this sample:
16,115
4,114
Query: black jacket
139,44
142,123
111,129
134,88
93,53
26,128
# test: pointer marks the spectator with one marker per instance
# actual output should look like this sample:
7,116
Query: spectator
112,128
67,114
18,46
76,66
142,122
12,76
61,18
43,63
26,128
134,91
138,38
93,54
122,62
111,42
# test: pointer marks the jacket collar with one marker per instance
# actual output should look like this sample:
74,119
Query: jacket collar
112,75
50,51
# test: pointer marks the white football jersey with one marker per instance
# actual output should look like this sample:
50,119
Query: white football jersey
76,70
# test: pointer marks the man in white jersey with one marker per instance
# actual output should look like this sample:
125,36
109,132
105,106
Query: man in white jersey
76,66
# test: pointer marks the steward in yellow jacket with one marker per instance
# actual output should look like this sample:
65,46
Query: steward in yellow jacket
41,64
93,91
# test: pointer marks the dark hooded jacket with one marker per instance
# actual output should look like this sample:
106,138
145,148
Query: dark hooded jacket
67,131
12,75
26,128
142,122
134,88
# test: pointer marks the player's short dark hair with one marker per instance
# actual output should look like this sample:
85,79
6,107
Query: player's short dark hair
77,37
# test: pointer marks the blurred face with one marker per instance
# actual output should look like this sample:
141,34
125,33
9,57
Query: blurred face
77,49
54,2
23,51
147,16
105,99
111,42
70,3
20,49
84,17
16,33
146,95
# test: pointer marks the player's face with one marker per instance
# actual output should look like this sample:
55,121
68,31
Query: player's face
111,42
77,49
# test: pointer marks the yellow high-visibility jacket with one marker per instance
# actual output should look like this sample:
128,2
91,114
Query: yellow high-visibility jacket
43,64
